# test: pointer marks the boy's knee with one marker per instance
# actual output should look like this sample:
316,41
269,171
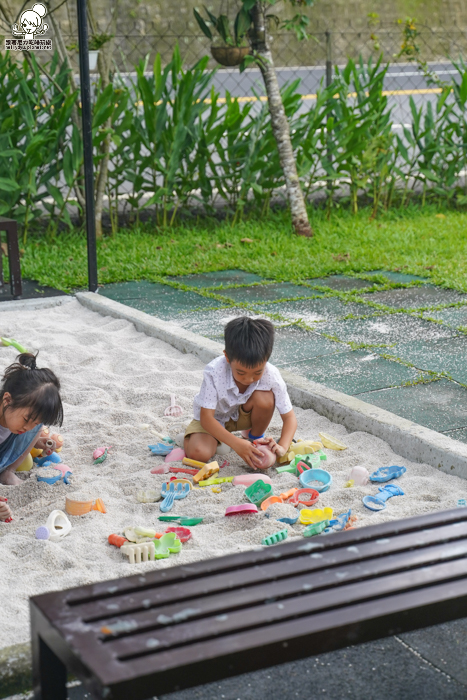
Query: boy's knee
265,400
199,452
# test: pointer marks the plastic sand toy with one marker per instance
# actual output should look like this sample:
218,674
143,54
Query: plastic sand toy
183,470
331,443
387,473
176,455
75,505
258,492
248,479
14,343
137,553
100,454
54,457
307,517
205,472
378,502
173,410
270,501
160,449
243,509
220,480
288,521
268,458
193,462
51,475
185,521
307,497
168,544
171,494
56,527
275,538
319,479
149,496
301,448
339,522
359,475
117,540
181,533
315,528
161,469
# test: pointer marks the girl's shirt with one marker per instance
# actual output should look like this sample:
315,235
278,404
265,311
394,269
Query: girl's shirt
4,433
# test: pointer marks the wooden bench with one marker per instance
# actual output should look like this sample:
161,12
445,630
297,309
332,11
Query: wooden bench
11,228
168,629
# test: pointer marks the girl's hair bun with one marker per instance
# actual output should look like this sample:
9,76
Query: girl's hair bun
27,360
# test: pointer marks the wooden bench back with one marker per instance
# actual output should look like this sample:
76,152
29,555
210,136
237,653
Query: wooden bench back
173,628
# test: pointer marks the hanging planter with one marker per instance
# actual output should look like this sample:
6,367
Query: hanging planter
234,37
229,55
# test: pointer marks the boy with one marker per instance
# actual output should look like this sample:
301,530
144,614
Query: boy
239,392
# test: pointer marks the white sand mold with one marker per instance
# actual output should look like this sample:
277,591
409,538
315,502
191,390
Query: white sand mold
116,384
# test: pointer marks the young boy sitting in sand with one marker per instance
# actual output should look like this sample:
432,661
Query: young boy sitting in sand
29,397
239,392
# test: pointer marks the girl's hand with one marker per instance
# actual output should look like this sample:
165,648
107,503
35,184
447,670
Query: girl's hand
249,453
5,512
273,446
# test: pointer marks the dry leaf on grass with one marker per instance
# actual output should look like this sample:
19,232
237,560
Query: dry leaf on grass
246,240
342,257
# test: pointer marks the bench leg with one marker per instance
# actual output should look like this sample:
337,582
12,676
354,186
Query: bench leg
49,673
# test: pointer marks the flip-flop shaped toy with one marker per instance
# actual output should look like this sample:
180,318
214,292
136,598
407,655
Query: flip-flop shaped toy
378,502
387,473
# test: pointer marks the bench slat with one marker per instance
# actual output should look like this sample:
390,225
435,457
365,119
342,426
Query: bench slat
258,556
276,570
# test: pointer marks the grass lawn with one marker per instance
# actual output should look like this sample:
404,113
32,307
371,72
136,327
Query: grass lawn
427,242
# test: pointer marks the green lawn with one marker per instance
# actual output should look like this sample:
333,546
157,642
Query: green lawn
424,242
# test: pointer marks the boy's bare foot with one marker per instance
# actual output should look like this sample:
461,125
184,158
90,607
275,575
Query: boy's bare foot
7,478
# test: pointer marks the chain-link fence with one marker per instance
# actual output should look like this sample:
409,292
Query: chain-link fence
307,60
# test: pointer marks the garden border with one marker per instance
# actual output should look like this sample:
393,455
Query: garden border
410,440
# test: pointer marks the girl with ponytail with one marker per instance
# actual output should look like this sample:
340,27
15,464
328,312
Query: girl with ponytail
29,398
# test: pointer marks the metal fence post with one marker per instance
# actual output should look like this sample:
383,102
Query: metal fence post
328,59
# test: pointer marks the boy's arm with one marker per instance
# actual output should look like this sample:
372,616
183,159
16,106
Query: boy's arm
289,426
244,448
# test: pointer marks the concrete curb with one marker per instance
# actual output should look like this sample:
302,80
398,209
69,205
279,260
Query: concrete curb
33,304
406,438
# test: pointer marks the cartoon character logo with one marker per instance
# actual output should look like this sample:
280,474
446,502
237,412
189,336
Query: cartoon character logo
31,23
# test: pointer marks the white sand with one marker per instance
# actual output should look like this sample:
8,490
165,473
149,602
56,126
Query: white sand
115,381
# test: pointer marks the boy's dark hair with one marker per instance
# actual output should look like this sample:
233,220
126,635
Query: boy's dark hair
36,389
249,340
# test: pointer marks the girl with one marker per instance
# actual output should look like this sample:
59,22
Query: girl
29,397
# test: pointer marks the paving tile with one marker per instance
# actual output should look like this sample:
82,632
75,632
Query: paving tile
416,297
314,310
341,283
214,279
398,277
444,355
454,317
389,329
354,372
155,299
293,344
457,434
211,323
269,292
443,646
440,405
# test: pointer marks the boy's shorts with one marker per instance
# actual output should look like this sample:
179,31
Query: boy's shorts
242,423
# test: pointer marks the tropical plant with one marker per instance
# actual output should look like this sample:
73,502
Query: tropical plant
231,35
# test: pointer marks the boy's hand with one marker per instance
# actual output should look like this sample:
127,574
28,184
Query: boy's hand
5,512
273,446
249,453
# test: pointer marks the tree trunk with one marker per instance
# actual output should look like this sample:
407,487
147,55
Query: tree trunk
280,125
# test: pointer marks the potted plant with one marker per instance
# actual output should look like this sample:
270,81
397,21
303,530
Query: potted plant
234,50
96,42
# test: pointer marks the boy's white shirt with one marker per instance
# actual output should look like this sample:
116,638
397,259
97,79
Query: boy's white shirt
219,391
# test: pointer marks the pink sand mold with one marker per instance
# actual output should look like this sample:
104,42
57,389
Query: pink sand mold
243,509
100,454
160,469
268,458
176,455
248,479
360,476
